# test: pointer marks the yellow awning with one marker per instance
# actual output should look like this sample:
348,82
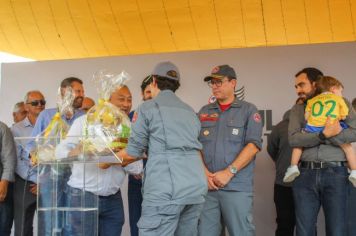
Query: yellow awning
67,29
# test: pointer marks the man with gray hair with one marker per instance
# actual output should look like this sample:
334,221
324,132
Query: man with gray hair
25,184
19,113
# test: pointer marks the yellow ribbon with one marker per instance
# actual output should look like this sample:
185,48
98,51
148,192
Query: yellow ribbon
101,102
57,125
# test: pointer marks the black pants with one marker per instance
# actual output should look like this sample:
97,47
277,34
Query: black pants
25,207
7,212
135,202
351,212
283,199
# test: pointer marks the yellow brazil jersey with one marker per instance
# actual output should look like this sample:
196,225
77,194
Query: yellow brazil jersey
324,105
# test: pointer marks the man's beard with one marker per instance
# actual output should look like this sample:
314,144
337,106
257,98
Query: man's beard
305,96
77,103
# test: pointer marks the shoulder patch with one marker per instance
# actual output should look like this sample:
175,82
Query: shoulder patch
212,99
134,118
257,117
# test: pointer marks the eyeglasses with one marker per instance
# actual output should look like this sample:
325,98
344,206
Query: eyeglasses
35,103
217,83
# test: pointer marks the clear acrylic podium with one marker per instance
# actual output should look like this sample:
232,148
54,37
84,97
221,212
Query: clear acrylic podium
66,204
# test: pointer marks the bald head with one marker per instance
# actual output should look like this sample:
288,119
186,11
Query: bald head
122,99
87,104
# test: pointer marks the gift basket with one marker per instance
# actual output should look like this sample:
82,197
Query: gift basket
56,129
107,127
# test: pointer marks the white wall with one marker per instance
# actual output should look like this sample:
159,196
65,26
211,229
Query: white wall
266,73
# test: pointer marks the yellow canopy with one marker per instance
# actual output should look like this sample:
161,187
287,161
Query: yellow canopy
66,29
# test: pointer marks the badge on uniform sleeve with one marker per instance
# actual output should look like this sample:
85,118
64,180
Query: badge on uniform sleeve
257,117
235,131
134,118
206,132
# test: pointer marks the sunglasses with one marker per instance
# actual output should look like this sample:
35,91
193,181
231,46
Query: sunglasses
35,103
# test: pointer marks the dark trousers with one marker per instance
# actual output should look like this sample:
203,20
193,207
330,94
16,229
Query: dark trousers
84,222
135,201
351,212
283,199
326,188
24,211
7,212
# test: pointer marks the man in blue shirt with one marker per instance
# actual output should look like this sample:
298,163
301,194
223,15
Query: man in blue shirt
231,133
25,178
46,116
53,221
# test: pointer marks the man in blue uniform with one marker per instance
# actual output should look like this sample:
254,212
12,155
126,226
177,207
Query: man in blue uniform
174,183
231,137
134,193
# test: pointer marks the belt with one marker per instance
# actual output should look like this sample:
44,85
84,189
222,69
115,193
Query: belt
321,164
109,196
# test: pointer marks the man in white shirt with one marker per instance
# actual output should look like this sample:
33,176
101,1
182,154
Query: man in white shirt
103,180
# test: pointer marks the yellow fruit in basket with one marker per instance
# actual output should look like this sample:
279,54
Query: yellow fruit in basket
107,118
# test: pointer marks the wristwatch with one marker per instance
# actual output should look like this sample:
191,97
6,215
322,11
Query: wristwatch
232,169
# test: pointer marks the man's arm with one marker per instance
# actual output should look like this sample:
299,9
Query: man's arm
138,141
296,137
210,176
253,140
127,158
8,160
71,146
247,154
8,155
347,135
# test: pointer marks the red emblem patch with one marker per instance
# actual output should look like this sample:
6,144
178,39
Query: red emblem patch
215,69
212,99
134,118
207,117
204,115
257,117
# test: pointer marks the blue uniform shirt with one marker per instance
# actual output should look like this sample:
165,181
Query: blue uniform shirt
23,129
169,130
225,134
